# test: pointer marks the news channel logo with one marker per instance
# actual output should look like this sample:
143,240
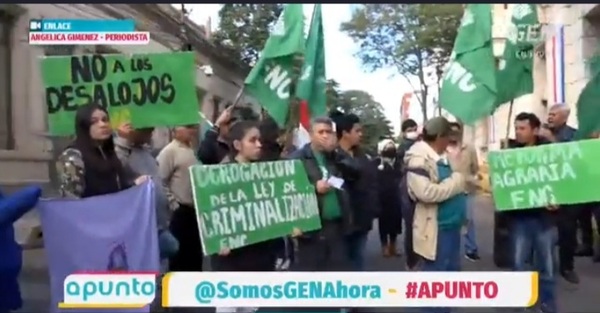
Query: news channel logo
108,290
35,25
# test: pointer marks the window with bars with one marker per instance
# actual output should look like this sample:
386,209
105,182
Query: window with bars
7,138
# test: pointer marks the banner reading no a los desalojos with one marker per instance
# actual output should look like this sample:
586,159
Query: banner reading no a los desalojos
242,204
147,90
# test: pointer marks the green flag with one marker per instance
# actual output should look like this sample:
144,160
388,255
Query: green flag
588,105
469,84
270,79
312,84
515,70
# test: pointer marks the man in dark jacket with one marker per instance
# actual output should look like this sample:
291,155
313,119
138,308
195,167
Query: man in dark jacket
534,228
330,172
557,130
410,135
214,148
363,191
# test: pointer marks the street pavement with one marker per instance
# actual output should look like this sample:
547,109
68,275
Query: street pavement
572,298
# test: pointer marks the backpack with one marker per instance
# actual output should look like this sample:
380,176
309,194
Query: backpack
406,202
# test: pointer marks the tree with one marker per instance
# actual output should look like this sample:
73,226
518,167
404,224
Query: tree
375,124
244,28
409,38
333,93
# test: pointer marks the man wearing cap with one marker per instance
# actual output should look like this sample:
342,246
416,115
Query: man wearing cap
463,159
440,199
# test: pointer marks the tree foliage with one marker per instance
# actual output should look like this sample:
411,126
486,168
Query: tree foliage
244,28
375,124
333,93
409,38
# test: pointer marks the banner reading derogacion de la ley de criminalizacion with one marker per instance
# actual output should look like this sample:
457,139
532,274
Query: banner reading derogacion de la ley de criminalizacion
146,90
240,204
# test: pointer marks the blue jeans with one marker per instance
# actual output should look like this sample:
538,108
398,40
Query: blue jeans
535,235
470,240
447,258
355,250
168,245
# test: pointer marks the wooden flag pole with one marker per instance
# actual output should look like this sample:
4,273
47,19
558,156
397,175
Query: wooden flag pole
239,96
504,143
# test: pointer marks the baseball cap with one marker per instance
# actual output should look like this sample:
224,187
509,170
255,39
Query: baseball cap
437,126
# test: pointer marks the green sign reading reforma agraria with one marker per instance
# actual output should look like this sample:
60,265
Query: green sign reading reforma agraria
239,204
553,174
146,90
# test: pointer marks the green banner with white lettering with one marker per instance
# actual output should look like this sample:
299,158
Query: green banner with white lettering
240,204
270,80
554,174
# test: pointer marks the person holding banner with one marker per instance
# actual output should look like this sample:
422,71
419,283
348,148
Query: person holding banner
245,147
272,150
132,149
174,162
557,130
533,229
90,166
12,208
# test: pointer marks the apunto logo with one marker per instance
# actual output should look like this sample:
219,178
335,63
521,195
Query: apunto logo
108,290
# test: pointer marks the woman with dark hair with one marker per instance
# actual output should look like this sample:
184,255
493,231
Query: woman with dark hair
269,134
245,147
89,166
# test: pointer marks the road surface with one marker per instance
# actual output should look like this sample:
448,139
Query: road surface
581,298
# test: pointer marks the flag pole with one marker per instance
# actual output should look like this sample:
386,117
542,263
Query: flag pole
510,112
239,95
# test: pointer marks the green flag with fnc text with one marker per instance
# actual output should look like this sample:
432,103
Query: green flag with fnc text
270,79
469,85
515,70
312,84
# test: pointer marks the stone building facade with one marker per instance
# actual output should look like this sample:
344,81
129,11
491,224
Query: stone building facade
581,42
26,151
